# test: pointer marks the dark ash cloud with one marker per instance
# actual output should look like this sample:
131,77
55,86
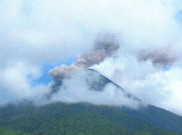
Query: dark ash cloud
163,57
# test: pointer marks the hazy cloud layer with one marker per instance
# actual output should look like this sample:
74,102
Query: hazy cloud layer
147,63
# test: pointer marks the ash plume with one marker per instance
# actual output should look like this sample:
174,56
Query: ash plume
105,46
163,57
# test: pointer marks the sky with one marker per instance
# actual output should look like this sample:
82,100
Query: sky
39,38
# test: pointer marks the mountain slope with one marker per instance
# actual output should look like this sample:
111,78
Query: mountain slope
157,116
60,118
87,119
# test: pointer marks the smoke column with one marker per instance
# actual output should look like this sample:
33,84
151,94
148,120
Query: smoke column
105,46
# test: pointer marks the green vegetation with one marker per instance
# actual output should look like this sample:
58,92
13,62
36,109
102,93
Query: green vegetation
78,119
11,132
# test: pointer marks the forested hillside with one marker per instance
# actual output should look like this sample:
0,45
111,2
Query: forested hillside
74,119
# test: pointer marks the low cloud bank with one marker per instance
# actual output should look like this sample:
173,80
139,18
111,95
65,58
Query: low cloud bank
90,87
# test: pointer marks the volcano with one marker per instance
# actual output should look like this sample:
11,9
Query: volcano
88,119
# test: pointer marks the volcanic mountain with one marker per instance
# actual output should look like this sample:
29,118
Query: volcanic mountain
88,119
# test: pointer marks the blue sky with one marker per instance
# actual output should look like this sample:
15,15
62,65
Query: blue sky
46,78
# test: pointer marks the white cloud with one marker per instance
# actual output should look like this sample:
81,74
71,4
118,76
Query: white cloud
76,89
152,84
37,32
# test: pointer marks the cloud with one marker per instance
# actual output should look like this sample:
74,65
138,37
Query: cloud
151,83
16,84
149,56
164,56
88,86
